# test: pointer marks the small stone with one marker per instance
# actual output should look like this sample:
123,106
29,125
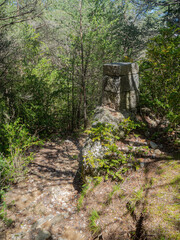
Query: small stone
153,145
42,235
57,219
157,151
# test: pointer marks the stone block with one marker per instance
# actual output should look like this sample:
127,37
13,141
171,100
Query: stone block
129,82
111,84
120,69
121,86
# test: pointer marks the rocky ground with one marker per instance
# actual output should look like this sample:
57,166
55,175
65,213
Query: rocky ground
43,205
144,206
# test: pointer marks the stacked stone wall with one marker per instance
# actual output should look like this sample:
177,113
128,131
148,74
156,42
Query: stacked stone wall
120,86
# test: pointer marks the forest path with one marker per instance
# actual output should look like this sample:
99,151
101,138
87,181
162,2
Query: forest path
43,205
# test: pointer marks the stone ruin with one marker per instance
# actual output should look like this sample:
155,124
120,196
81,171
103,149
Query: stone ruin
119,100
121,86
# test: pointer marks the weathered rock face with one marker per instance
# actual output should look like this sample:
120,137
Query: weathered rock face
108,115
120,86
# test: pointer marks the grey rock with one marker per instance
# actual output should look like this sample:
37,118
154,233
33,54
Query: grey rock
42,235
129,83
95,150
157,151
42,221
119,69
111,84
153,145
57,219
105,114
121,86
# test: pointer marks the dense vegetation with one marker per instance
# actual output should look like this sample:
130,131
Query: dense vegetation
51,58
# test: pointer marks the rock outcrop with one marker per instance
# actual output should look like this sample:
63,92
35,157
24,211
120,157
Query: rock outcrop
120,95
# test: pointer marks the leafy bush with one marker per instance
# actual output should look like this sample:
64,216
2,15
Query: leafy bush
129,125
160,75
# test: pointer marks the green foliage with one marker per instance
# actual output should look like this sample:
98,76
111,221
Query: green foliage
88,187
116,188
128,125
3,211
15,160
94,227
135,200
160,75
102,132
84,191
114,162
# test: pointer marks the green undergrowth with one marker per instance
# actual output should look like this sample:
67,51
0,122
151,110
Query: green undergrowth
156,198
114,163
15,157
164,206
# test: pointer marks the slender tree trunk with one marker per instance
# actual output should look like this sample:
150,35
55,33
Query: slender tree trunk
83,81
72,102
79,110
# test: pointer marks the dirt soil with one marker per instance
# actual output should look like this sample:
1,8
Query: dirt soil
144,206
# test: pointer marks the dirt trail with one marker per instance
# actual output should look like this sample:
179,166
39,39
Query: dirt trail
44,205
41,203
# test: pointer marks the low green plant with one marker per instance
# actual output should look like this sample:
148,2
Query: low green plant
84,191
128,125
94,227
135,200
112,165
137,195
142,150
103,132
116,188
97,180
88,187
3,213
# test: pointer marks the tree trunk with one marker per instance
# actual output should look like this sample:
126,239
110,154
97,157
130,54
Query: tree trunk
83,81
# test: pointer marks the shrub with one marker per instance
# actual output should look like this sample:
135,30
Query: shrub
160,75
